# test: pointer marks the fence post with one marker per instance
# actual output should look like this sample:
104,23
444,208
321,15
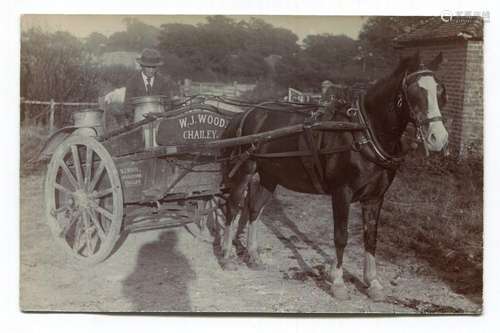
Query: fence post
187,87
51,115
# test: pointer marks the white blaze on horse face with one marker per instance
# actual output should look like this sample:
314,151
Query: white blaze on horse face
437,136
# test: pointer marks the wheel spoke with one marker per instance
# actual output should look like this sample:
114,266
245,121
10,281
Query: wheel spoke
72,220
102,193
77,242
62,188
104,212
68,173
88,165
86,221
87,234
77,165
88,243
81,244
97,175
95,221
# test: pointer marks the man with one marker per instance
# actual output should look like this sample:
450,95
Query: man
327,92
149,82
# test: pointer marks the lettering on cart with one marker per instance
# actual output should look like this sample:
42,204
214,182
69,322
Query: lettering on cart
199,134
131,176
201,120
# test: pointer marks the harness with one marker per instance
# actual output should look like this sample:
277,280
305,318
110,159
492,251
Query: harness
365,142
419,124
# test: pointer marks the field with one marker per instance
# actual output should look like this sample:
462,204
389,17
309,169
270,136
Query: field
429,254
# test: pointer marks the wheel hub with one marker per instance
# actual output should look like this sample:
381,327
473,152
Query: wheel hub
82,199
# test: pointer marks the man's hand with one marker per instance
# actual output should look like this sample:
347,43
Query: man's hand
115,96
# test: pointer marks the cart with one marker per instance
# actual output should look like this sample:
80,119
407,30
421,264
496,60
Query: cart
161,171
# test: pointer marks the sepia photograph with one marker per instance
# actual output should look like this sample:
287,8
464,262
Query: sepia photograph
251,164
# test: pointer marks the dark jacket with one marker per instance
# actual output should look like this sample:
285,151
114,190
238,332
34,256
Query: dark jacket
135,88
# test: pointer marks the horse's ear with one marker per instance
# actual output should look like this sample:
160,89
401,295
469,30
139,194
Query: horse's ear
414,61
434,64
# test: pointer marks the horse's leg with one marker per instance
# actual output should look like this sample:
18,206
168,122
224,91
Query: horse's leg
341,201
259,196
236,206
371,212
227,263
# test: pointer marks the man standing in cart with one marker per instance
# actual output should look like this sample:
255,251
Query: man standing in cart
327,92
149,82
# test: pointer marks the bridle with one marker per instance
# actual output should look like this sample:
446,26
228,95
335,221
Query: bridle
381,157
407,81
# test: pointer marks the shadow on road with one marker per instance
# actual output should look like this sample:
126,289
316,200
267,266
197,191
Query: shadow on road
319,273
161,277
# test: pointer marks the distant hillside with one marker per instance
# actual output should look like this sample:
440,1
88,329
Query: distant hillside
124,58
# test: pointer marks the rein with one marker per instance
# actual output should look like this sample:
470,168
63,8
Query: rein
376,153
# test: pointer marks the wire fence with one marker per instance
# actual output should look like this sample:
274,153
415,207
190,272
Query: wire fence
49,109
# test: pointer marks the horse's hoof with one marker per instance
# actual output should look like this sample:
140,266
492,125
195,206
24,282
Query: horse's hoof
375,292
340,292
228,265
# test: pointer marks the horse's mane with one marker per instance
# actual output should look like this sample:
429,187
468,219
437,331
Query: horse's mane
380,92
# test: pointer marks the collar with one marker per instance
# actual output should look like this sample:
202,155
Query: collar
382,157
145,79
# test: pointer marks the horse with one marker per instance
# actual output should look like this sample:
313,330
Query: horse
349,166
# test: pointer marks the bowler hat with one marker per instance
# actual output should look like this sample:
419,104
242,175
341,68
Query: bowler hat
150,58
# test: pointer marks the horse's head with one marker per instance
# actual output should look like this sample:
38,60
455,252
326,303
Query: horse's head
425,97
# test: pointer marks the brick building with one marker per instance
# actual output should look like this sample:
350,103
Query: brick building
461,41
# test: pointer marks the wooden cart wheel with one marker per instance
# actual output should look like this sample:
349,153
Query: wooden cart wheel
84,199
210,226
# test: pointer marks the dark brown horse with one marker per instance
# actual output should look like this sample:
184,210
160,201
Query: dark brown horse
349,166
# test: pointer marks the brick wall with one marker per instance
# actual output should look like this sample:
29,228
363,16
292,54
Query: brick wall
472,125
451,73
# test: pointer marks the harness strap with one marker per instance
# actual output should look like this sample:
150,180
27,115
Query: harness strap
429,120
314,151
304,153
242,158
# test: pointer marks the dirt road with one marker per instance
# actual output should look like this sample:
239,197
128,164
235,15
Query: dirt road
169,270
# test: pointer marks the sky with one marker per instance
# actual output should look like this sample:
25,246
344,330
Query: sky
83,25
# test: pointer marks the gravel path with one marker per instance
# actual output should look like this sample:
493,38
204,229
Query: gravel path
169,270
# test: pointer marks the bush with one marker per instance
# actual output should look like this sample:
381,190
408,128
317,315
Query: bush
265,90
112,77
32,138
434,211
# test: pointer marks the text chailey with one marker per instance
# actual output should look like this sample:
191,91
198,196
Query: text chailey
205,120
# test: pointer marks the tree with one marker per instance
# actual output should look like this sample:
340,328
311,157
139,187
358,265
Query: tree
378,33
220,37
247,65
226,49
95,43
136,37
334,51
265,39
56,65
